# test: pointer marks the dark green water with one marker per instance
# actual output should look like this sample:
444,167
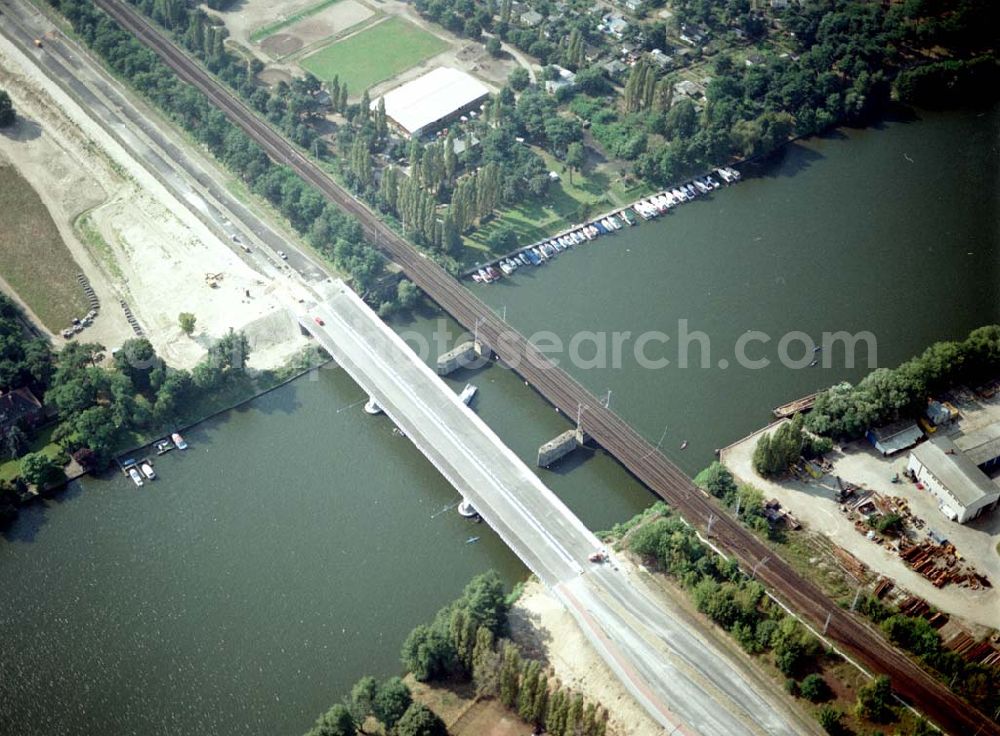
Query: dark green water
294,546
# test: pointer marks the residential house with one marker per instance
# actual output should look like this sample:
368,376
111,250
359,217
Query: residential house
616,26
693,35
531,18
19,407
615,69
566,79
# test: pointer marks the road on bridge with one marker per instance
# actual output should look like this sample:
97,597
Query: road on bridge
678,675
850,632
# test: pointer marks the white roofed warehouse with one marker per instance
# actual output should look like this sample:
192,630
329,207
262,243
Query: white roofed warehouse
963,491
431,101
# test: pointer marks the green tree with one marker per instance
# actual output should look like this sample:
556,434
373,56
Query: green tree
575,158
40,470
15,442
187,321
717,480
510,676
519,79
229,354
493,46
875,700
7,112
526,702
427,653
335,722
391,701
136,358
830,719
485,664
363,698
419,720
814,688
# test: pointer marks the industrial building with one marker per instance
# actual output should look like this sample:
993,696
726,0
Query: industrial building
962,489
894,438
431,101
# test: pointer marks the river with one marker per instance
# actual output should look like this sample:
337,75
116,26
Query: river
291,549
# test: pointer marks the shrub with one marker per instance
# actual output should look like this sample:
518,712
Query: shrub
814,688
829,718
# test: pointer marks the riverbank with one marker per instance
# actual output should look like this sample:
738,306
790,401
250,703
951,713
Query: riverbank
231,397
544,629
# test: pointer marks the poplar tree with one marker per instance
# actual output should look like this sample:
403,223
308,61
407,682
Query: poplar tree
555,716
510,674
573,716
450,159
528,692
485,662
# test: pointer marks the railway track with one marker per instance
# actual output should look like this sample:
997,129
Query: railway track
850,632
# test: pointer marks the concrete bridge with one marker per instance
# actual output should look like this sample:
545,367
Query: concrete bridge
683,680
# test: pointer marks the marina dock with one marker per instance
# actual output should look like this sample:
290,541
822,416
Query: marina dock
647,208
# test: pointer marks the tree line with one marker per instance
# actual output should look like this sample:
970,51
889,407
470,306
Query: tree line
888,394
466,641
738,604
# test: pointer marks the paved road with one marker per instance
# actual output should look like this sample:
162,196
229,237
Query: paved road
635,452
681,678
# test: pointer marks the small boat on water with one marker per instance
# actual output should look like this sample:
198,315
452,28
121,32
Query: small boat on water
467,510
684,445
163,447
468,393
472,540
135,476
372,407
147,470
179,442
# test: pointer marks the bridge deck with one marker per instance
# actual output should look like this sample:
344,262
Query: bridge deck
678,676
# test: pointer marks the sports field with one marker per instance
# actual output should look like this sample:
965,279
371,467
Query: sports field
373,55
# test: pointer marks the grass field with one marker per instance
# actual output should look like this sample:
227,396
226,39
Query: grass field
373,55
34,260
566,203
271,28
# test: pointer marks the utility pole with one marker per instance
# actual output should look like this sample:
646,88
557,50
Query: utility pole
857,595
827,624
607,400
759,563
711,518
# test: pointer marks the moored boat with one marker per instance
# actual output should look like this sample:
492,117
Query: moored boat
468,393
179,441
147,470
133,473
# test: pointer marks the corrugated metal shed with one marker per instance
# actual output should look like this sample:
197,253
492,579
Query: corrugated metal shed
981,446
893,438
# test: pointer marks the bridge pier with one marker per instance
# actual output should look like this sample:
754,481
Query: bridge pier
467,510
469,354
561,446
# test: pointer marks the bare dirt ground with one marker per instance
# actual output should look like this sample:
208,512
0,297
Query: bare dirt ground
547,631
249,15
157,252
332,21
814,503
